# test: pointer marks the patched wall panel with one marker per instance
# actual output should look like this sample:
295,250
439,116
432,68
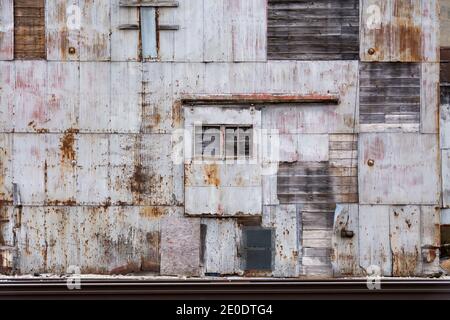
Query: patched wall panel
7,30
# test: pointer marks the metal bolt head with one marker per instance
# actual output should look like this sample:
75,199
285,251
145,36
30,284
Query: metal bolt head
72,50
371,162
371,51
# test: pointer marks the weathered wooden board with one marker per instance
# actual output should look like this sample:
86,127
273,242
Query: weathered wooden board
430,222
429,98
124,43
6,174
180,246
221,243
30,110
95,90
405,235
7,95
320,30
64,22
29,29
346,240
95,36
397,176
374,242
7,30
444,23
390,96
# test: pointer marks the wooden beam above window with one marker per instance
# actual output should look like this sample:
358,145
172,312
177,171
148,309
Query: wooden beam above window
144,3
259,98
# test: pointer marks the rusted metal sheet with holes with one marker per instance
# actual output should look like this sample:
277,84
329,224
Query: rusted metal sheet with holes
319,30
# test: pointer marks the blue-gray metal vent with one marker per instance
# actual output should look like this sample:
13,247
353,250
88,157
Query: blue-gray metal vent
258,244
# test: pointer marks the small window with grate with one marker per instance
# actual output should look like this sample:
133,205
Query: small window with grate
224,142
258,249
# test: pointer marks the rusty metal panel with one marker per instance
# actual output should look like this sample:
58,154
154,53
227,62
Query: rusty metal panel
389,173
320,30
29,158
95,90
374,242
92,169
405,240
346,240
6,180
64,22
7,95
180,246
124,43
126,97
30,111
390,97
95,37
221,256
63,96
7,30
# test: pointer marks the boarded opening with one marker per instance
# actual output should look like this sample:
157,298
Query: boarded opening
258,244
313,30
29,29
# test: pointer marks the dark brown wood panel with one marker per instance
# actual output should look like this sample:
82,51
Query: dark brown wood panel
29,29
389,93
313,30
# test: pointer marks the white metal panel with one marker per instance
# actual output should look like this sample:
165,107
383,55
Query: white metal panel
7,95
430,222
63,24
124,43
405,170
92,169
148,33
430,30
63,96
95,38
7,30
429,98
446,178
95,90
6,162
30,110
374,242
444,125
126,97
218,32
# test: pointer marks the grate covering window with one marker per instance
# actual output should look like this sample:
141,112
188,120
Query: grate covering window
313,30
258,246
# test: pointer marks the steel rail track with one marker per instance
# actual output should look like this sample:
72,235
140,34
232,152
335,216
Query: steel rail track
224,289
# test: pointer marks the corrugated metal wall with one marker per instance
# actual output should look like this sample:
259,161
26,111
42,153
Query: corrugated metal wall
87,170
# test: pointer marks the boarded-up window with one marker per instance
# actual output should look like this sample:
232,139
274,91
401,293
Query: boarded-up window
29,29
390,93
313,30
258,246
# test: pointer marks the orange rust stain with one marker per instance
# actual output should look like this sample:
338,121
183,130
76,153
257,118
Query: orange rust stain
138,180
211,175
177,114
67,147
33,126
152,212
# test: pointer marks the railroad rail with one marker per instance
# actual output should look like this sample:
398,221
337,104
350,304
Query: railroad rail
224,289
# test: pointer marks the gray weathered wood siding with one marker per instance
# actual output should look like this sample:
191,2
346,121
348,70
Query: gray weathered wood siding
389,93
313,30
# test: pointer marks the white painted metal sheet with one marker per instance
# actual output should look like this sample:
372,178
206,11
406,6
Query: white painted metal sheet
124,43
148,33
7,30
7,95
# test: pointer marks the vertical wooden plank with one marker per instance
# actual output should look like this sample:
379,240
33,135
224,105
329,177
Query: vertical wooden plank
345,257
429,100
95,90
375,30
64,22
7,95
148,33
30,110
95,40
180,246
430,30
126,97
405,240
7,30
6,173
124,43
218,33
430,221
406,33
189,40
63,95
374,242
